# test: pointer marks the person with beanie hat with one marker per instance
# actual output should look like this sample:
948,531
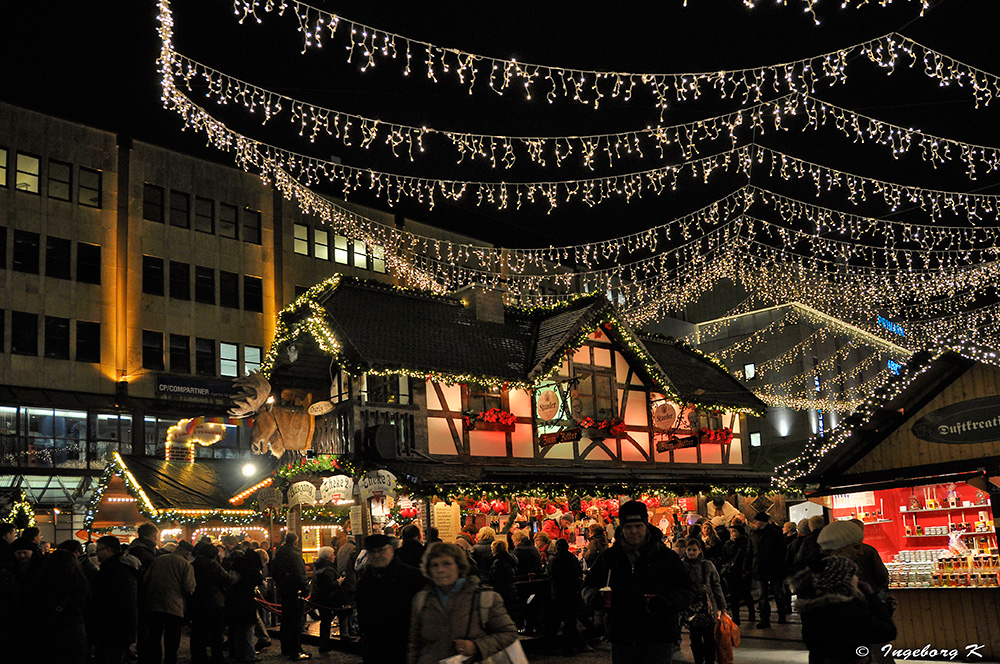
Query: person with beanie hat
871,569
840,538
648,586
840,616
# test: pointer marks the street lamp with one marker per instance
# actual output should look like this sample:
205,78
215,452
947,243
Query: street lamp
249,469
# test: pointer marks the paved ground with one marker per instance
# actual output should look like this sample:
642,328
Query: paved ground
781,644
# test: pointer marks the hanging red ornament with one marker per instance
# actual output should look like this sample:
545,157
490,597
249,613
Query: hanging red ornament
613,507
551,509
483,506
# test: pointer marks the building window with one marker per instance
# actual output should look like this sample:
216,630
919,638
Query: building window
152,275
152,350
321,244
152,202
180,354
253,293
204,357
88,263
27,173
204,285
251,226
89,190
229,358
60,180
252,358
88,342
749,371
594,395
755,439
3,167
23,333
26,252
227,220
57,256
229,289
180,209
180,281
204,215
360,255
300,244
340,251
391,389
57,338
378,259
482,398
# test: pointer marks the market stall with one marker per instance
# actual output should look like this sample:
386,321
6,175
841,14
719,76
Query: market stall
186,499
920,466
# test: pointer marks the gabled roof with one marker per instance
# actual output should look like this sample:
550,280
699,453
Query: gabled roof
698,379
828,457
365,326
205,484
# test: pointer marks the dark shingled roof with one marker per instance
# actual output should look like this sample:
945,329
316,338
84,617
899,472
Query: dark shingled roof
385,328
205,484
698,379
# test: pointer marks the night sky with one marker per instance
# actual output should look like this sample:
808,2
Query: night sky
95,62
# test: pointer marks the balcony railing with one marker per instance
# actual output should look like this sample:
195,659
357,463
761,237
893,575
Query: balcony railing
342,431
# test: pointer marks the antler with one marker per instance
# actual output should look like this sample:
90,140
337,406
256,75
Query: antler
254,391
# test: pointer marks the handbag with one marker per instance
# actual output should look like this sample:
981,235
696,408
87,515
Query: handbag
512,654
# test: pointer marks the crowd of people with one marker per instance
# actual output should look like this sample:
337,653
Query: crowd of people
632,583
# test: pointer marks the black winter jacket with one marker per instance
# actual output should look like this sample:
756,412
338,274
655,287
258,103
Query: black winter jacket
768,544
289,571
384,598
410,552
529,561
835,626
115,603
658,571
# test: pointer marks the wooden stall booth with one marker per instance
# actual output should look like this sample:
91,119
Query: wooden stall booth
185,499
920,467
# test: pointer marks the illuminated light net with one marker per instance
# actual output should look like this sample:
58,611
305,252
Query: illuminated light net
847,265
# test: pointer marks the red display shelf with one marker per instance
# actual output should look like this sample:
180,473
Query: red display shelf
968,534
945,509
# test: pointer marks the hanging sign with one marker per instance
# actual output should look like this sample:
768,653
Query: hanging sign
376,484
335,489
269,498
665,415
564,436
973,421
675,443
302,493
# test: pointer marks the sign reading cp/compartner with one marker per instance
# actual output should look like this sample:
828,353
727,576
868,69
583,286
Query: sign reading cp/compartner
973,421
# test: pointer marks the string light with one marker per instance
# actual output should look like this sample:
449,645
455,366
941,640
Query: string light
238,498
589,87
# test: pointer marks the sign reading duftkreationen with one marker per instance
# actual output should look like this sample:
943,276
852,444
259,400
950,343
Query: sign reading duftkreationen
973,421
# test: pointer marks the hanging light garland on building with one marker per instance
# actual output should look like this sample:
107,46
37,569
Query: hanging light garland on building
367,45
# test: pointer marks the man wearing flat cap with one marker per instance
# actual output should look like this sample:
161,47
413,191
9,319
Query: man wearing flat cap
642,585
384,595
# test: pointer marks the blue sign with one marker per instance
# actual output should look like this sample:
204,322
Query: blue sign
894,367
895,328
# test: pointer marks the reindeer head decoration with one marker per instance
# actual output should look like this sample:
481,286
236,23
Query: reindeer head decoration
284,426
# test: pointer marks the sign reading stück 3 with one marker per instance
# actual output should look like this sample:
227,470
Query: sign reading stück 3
973,421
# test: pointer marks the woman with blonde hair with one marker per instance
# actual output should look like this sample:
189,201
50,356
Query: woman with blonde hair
453,614
482,552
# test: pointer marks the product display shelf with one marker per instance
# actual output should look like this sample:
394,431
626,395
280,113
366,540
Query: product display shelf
971,533
945,509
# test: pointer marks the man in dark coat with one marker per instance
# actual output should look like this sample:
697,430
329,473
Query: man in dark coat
529,561
384,595
410,550
116,606
768,567
289,571
7,536
649,585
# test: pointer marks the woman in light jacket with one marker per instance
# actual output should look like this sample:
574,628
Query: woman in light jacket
453,614
708,602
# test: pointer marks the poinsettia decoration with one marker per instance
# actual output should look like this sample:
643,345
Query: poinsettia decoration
494,419
612,427
722,436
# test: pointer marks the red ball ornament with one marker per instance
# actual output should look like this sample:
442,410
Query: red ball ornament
483,507
613,507
550,509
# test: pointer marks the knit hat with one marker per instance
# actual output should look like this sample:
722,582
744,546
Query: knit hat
802,526
376,541
325,553
838,535
633,512
762,516
835,577
22,544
